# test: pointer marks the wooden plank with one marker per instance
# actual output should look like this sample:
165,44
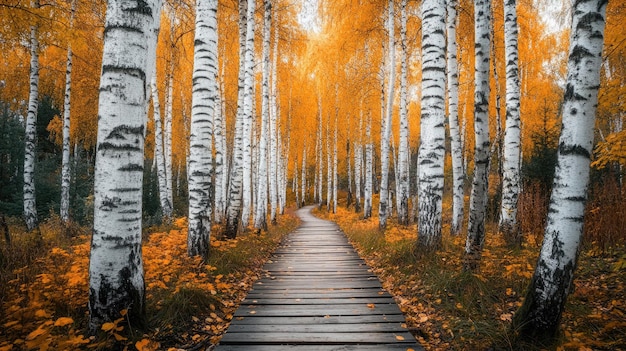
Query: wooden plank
316,301
317,338
309,320
318,328
378,347
317,310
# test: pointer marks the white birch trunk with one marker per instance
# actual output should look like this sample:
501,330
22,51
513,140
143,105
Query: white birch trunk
335,180
303,178
260,218
203,100
116,278
329,167
539,317
159,154
478,198
383,210
509,225
369,169
167,143
358,166
456,152
274,147
221,167
403,186
65,161
30,139
235,191
432,135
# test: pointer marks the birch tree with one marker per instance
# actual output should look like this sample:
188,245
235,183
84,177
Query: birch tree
221,164
432,135
274,153
200,143
235,191
369,169
458,173
403,191
383,211
159,153
30,140
116,278
478,199
511,163
65,160
260,218
540,315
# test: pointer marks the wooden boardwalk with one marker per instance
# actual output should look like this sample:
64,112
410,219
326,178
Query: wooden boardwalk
317,294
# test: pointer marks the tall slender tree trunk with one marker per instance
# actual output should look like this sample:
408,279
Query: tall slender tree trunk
456,152
167,142
116,278
303,177
540,315
478,198
200,139
335,171
369,169
159,154
509,225
383,211
274,147
246,57
66,175
30,140
432,147
403,149
221,164
260,218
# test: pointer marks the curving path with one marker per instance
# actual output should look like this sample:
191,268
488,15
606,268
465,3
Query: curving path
317,294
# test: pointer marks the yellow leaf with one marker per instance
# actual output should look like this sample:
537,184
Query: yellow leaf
124,312
142,344
371,305
459,305
108,326
63,321
399,337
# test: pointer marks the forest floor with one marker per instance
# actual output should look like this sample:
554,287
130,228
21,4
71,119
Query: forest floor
447,309
190,302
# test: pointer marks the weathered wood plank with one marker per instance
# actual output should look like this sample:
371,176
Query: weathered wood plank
379,347
318,328
273,338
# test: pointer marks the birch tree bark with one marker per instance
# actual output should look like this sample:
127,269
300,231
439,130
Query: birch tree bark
30,139
260,217
167,142
539,317
116,278
478,199
403,149
456,153
432,130
159,153
386,135
242,133
66,175
274,147
509,225
221,164
369,169
203,99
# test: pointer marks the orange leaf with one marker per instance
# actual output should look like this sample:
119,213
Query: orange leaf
399,337
63,321
118,337
108,326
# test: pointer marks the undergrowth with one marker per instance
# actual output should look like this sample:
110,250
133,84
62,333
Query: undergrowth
448,309
189,301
